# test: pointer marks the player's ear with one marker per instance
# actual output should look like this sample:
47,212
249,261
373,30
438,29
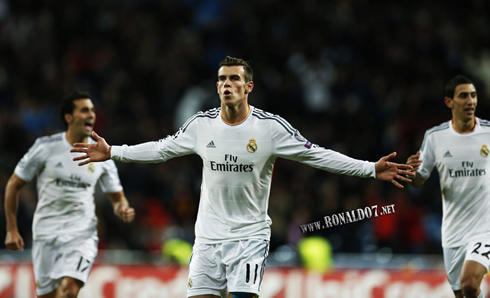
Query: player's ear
249,87
68,118
449,102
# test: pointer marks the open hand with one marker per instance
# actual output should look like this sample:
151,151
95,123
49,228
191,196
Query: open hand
100,151
389,171
414,161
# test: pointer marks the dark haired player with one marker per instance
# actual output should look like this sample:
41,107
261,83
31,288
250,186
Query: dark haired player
64,227
458,148
238,144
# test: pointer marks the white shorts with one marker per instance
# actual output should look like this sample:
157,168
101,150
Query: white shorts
54,259
236,266
454,258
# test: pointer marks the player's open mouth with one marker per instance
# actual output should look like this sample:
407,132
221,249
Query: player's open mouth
469,110
88,125
227,93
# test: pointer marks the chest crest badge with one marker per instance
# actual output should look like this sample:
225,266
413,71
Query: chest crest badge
252,146
91,167
484,151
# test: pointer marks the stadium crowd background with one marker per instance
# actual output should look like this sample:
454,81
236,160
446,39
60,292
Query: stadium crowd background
361,77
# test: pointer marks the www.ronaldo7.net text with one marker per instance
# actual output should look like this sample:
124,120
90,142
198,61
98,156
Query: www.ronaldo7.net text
347,217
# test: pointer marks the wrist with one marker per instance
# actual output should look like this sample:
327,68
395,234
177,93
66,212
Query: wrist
118,206
115,205
12,229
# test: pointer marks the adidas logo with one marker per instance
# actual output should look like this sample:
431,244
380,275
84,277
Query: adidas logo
59,165
448,154
211,145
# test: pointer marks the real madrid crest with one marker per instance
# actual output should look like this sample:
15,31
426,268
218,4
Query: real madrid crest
484,151
252,146
91,167
189,283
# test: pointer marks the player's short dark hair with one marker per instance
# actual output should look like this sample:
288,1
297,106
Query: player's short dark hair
453,83
232,61
67,104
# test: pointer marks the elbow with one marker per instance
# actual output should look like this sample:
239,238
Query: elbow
15,183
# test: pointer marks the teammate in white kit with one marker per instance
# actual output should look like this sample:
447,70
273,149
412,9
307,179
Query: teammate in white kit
459,150
64,227
238,144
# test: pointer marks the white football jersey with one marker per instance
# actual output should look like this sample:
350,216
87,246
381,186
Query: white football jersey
464,168
238,161
65,190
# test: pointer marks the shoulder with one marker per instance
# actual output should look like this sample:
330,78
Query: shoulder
209,114
263,115
484,123
48,140
43,146
438,129
259,113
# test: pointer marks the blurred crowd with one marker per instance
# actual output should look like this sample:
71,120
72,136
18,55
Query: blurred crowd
364,78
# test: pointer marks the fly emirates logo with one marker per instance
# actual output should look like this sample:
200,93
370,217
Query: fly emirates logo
466,171
231,165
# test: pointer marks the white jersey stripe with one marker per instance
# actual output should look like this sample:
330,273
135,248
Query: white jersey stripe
281,121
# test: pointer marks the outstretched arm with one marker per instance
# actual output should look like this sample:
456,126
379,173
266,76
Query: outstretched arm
389,171
13,240
121,206
100,151
289,144
415,162
179,144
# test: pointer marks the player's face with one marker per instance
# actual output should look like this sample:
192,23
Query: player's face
232,88
464,102
83,117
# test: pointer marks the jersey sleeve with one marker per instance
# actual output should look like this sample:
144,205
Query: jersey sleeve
427,156
179,144
109,181
288,143
32,162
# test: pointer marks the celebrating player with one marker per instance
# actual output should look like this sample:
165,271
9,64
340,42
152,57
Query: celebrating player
459,150
64,228
238,144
